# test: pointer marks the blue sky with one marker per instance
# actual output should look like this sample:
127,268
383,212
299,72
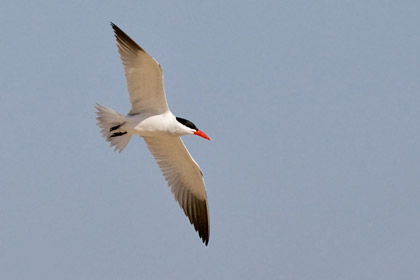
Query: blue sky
313,167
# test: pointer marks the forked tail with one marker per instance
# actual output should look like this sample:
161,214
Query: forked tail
111,124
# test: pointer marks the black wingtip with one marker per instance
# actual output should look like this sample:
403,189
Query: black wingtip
115,27
124,40
205,238
203,226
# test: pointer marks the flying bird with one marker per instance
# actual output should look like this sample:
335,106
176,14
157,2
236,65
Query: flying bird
151,119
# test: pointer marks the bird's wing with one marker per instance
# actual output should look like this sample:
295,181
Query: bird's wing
144,76
185,179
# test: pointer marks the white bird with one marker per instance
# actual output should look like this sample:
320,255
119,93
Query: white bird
151,118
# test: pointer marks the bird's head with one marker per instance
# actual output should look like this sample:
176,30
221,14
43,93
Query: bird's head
193,127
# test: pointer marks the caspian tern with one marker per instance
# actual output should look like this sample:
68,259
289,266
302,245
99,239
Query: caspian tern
151,119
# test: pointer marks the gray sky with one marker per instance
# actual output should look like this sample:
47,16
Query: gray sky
313,171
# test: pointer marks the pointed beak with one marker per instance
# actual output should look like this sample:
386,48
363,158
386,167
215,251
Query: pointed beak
202,134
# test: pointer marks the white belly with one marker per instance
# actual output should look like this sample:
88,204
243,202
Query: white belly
152,125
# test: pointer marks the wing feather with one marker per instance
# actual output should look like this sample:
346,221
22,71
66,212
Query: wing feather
185,179
144,76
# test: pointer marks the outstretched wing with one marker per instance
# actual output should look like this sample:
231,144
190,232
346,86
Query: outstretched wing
185,179
144,76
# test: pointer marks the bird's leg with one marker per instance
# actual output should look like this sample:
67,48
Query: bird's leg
115,127
115,134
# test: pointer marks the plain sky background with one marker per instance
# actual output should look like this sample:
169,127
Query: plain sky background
313,171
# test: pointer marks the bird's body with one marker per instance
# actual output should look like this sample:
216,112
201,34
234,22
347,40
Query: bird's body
151,119
147,124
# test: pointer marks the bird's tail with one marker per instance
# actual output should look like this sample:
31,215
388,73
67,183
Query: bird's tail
111,124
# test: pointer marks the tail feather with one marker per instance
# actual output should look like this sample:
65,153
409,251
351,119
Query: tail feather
111,124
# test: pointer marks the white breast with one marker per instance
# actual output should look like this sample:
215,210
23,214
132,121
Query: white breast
157,125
